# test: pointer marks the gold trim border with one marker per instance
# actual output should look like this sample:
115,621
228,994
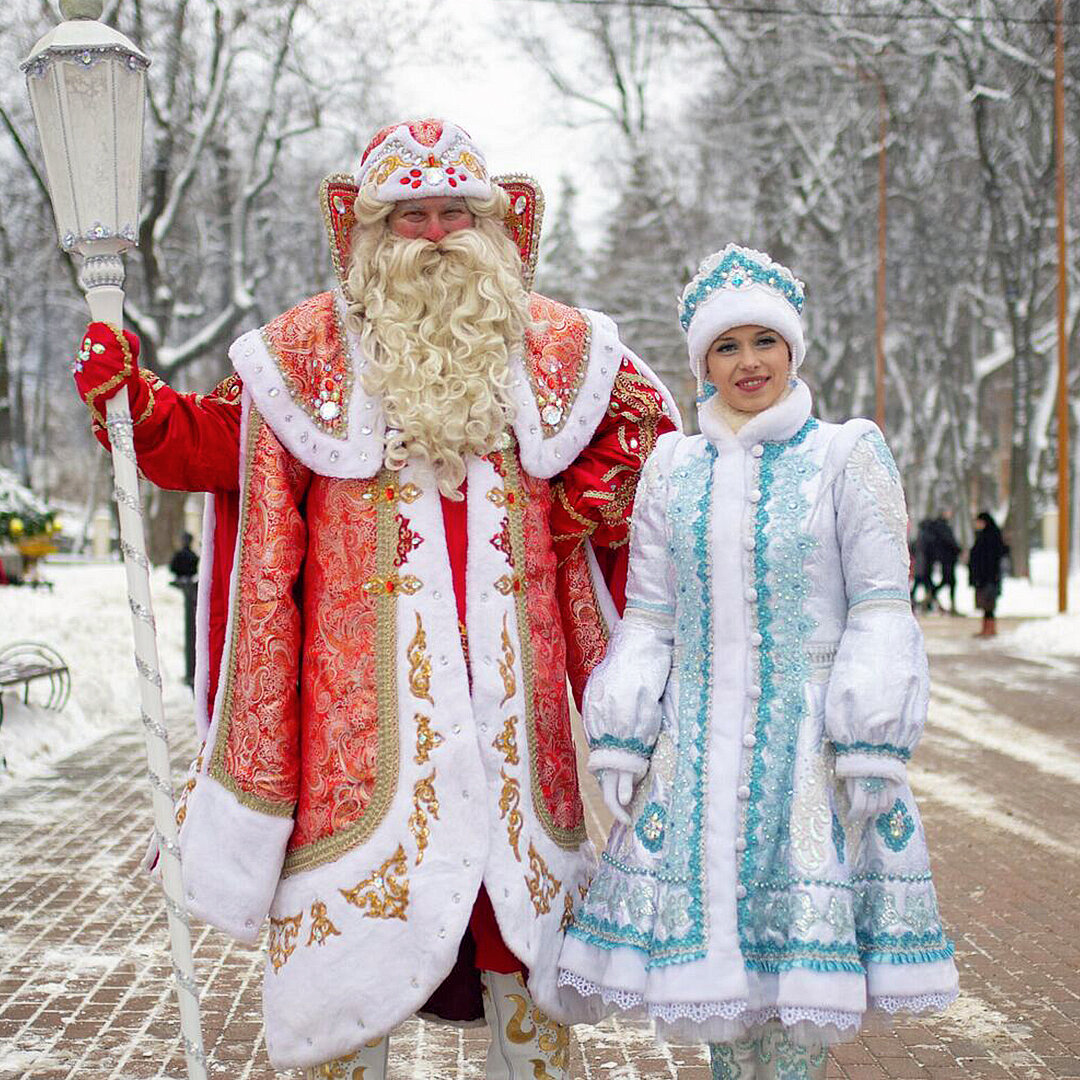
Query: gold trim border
569,839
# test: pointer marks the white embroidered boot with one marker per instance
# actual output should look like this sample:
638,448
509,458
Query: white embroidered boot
526,1044
767,1054
368,1063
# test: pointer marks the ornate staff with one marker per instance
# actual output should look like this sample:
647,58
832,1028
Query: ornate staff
87,88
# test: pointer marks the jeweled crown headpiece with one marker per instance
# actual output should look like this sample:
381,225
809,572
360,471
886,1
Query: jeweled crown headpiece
739,286
418,159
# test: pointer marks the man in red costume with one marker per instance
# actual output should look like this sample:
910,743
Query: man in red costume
421,486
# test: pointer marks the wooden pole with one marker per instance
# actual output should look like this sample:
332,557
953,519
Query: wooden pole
1062,297
879,372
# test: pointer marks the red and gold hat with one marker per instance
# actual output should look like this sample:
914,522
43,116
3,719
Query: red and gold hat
419,159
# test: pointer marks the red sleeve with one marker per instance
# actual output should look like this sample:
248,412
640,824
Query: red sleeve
594,497
187,442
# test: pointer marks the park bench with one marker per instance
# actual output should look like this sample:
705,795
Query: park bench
26,662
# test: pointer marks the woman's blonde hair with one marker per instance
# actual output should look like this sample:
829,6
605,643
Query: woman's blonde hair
438,324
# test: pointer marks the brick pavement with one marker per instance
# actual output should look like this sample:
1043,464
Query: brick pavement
84,988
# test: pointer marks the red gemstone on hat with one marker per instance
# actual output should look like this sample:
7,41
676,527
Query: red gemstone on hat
404,180
416,183
453,182
414,172
450,170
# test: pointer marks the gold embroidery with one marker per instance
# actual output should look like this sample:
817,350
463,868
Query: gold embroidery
509,801
385,894
321,927
506,497
283,935
569,839
346,1068
419,664
111,384
506,741
508,584
387,491
568,914
506,667
552,1038
427,739
543,885
425,801
392,584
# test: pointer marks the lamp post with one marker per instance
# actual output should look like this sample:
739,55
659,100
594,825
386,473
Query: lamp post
87,89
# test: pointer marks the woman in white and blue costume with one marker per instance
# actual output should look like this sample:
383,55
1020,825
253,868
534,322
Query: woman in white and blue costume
767,879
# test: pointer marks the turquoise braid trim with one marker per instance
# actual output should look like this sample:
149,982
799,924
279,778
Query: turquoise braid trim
782,588
880,749
737,271
649,605
612,742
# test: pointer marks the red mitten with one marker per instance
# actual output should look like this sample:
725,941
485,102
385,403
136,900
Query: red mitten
104,363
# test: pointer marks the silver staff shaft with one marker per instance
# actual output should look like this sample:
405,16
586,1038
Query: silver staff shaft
106,305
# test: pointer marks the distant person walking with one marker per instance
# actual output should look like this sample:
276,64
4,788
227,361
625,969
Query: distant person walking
922,564
984,569
946,554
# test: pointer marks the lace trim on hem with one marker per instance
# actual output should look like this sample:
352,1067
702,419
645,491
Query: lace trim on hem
700,1011
916,1003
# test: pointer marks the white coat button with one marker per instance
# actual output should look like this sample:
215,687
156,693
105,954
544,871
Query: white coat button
740,892
743,792
740,844
749,739
754,692
755,496
757,449
751,596
456,729
748,543
755,639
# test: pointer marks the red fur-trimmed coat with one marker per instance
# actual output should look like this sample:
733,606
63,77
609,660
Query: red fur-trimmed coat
369,764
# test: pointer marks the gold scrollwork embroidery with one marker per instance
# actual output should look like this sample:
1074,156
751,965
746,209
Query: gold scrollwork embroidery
508,498
322,929
419,664
425,802
506,741
385,894
427,739
509,801
283,935
506,665
408,584
542,884
508,584
390,493
552,1038
567,919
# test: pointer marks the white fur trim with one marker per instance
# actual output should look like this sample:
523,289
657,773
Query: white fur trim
755,305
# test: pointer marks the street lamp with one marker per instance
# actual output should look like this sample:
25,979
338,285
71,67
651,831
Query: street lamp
87,86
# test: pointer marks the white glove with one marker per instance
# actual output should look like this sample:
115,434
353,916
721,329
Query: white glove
617,788
869,796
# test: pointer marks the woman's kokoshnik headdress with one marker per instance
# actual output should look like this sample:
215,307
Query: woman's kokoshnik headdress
739,286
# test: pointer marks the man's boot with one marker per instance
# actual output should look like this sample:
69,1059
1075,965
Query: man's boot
368,1063
985,629
991,626
526,1044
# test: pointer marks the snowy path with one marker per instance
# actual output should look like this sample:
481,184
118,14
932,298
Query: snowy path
84,985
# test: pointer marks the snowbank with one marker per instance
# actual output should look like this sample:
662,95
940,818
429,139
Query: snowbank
86,618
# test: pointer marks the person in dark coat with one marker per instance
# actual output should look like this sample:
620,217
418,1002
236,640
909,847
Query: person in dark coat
946,553
922,564
184,563
984,569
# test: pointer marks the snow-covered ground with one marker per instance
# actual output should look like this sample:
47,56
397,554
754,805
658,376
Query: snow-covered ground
85,617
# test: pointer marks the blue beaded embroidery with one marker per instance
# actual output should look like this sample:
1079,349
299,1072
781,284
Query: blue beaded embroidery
881,749
613,742
896,826
736,270
662,911
650,827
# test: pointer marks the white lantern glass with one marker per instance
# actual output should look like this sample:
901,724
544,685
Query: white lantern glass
87,88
